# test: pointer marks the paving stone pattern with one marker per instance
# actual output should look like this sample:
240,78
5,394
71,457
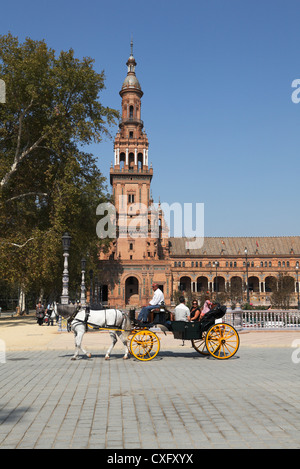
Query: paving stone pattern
178,400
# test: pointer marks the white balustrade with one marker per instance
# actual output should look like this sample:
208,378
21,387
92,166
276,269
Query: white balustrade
270,319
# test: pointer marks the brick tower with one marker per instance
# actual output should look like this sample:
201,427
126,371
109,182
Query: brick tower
140,247
131,176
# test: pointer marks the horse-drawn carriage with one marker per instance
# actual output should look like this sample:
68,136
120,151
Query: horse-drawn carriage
210,336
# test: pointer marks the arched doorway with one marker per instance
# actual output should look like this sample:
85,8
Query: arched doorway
236,289
132,291
202,284
219,284
270,284
185,284
236,283
104,293
253,283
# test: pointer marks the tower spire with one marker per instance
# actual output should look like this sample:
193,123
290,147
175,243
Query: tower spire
131,46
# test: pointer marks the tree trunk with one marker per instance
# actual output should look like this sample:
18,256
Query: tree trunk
21,299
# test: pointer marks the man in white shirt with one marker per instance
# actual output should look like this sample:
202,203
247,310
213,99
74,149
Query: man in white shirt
181,312
157,299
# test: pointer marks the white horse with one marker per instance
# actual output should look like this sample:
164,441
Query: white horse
110,319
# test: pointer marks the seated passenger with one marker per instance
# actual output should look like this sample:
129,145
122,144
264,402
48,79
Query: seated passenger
206,307
195,311
181,312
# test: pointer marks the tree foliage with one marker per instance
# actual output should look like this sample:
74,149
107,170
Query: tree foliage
283,289
48,183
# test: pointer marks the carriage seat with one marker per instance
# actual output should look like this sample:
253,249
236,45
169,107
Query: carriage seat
209,318
159,315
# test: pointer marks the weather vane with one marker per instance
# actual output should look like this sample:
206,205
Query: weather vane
131,45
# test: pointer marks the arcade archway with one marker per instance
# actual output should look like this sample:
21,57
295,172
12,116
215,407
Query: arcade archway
132,291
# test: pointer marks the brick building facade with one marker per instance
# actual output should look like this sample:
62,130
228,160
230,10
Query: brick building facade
235,268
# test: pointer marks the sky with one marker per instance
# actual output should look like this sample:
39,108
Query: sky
217,107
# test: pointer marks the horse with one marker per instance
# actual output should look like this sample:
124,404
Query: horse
80,318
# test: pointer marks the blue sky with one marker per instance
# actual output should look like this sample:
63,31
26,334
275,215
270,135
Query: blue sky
217,108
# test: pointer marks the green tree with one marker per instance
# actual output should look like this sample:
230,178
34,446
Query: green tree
282,291
48,183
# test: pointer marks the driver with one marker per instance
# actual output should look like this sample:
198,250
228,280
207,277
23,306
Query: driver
157,299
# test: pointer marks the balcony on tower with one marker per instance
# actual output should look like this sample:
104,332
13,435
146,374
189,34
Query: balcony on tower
131,120
131,159
129,170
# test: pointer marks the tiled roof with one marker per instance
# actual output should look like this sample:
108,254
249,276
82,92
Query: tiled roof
234,246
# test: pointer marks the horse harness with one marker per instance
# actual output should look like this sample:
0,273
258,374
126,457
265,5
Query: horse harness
87,314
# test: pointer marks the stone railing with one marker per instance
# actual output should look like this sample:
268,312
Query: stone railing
263,319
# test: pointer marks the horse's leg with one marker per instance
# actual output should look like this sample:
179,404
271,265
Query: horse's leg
76,347
113,343
79,333
123,337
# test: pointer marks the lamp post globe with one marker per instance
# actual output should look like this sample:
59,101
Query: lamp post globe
83,264
66,241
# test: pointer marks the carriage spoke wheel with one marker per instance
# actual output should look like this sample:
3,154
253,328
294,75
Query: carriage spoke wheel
200,345
222,341
144,345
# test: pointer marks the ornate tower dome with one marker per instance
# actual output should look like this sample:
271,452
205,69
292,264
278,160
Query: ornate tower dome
131,82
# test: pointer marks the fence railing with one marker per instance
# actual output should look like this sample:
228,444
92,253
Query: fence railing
264,319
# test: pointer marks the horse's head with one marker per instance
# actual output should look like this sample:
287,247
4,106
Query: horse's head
126,324
67,310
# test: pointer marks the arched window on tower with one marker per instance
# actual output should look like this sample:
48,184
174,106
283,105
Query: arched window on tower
131,112
131,161
122,160
140,161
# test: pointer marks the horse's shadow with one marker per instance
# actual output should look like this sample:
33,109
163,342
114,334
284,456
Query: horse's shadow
159,357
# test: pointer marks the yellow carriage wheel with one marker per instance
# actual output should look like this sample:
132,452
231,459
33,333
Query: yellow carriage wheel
144,345
222,341
200,345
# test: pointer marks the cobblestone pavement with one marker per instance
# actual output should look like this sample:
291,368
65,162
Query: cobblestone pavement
178,400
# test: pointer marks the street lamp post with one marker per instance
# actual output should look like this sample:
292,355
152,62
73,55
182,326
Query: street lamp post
91,287
96,290
66,241
246,254
297,268
82,297
216,264
101,293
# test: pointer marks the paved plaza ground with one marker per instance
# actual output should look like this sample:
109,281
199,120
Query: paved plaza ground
179,400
